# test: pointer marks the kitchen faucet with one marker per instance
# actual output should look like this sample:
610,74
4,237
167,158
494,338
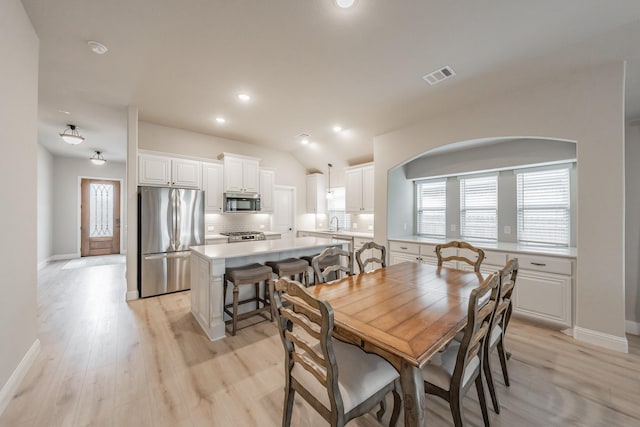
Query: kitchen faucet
337,223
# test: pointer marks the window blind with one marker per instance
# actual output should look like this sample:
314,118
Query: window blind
431,198
336,207
544,206
479,207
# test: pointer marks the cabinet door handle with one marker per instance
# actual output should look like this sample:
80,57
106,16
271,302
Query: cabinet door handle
403,247
540,264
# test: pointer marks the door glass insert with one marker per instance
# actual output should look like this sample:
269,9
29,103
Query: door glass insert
100,210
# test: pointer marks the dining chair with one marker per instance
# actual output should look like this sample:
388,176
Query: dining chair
461,247
450,374
341,263
382,259
499,325
338,380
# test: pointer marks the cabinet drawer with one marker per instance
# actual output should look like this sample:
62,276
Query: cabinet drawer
358,242
494,258
545,264
428,250
407,248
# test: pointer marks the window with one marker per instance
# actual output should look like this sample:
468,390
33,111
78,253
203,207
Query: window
336,207
431,199
544,206
479,207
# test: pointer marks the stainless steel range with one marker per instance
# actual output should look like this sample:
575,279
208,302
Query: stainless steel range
244,236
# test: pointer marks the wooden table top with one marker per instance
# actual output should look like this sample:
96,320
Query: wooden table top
404,312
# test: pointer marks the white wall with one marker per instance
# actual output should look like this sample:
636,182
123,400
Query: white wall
45,204
632,229
66,189
587,107
18,163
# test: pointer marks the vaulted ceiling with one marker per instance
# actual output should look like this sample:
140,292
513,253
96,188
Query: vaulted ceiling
307,64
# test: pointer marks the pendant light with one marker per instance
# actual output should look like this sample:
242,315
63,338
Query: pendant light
71,136
97,159
329,192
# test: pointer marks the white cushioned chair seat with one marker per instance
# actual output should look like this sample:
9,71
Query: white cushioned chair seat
440,370
360,376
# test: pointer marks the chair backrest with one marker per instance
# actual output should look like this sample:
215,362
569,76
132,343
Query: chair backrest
382,260
464,246
508,277
482,304
306,336
322,270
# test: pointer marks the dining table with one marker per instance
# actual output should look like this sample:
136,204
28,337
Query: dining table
404,313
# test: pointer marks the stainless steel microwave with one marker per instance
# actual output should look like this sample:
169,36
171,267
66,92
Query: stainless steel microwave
241,202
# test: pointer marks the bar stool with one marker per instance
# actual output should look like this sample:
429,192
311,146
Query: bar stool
291,267
251,274
324,264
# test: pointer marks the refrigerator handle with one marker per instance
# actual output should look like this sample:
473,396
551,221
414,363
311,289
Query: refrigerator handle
174,246
176,217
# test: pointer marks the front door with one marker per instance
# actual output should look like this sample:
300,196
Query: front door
100,211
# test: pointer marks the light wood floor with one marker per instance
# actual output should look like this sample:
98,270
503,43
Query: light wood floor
108,363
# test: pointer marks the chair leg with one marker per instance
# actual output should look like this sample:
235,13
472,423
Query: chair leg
489,376
256,288
503,362
382,410
456,409
397,405
235,310
483,401
289,394
266,294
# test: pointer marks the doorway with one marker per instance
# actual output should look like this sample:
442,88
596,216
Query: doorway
100,217
284,211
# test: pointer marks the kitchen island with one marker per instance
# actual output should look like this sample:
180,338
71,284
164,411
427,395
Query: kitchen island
208,264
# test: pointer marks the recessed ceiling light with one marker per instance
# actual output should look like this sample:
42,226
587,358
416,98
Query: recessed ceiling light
221,120
304,138
304,141
244,97
97,47
337,128
345,4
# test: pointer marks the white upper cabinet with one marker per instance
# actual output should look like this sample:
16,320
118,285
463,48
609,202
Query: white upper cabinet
168,171
316,193
359,189
267,181
241,174
212,179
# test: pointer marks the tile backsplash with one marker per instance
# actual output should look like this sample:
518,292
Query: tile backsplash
237,222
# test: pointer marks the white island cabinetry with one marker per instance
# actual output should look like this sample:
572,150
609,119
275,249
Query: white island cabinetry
208,265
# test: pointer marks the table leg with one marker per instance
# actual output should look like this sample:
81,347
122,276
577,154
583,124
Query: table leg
413,395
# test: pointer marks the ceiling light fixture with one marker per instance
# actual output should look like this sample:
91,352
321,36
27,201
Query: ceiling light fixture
97,159
329,192
244,97
337,128
71,136
97,47
221,120
304,138
345,4
65,112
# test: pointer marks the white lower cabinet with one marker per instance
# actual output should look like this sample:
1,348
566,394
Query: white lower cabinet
544,289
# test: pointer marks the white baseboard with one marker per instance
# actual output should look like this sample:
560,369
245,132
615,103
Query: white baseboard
632,327
131,295
43,264
611,342
11,387
61,257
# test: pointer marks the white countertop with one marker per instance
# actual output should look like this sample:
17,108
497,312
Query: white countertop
569,252
342,233
243,249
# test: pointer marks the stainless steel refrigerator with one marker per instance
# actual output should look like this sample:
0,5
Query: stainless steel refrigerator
170,221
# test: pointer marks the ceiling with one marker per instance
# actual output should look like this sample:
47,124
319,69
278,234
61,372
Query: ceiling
307,64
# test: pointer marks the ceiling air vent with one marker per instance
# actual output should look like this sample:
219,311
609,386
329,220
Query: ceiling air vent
439,75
